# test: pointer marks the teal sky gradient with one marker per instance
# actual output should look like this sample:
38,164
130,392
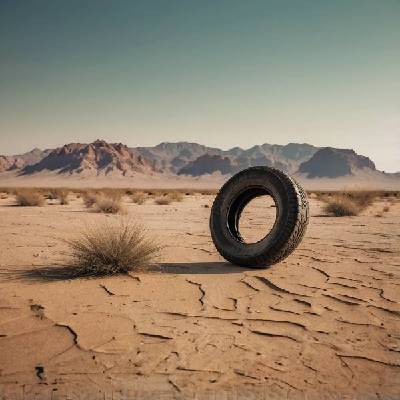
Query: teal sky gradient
221,73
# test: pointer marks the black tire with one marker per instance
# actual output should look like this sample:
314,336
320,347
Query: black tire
291,217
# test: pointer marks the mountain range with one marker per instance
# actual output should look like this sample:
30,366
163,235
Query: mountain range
184,159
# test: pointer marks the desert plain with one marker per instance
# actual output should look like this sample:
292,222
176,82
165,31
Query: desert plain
322,324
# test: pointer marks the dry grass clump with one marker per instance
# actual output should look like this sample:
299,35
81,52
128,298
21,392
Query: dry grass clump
58,194
341,207
138,197
89,199
111,193
112,248
29,197
109,205
363,198
175,196
162,200
52,194
343,204
209,192
63,197
168,197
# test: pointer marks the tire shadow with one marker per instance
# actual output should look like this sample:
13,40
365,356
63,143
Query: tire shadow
52,273
199,268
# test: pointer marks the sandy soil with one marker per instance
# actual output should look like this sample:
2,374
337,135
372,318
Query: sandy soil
323,324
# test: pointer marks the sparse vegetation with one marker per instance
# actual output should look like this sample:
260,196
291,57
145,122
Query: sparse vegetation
138,197
109,205
111,193
112,248
341,207
59,194
29,197
175,196
89,199
52,194
163,200
64,197
342,204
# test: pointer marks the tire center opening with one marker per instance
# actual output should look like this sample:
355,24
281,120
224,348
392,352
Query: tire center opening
257,219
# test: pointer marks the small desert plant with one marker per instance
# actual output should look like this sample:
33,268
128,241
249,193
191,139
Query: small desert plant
59,194
115,194
109,205
343,204
89,199
138,197
386,209
29,197
363,198
52,194
112,248
63,197
175,196
339,206
209,192
163,200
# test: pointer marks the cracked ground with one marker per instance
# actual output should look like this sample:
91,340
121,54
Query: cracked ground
323,324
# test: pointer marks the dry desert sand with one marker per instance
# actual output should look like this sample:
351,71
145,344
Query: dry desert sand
323,324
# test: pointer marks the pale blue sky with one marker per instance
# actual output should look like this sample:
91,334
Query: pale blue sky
222,73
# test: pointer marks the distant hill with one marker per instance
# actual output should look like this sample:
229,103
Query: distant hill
208,164
9,163
184,158
333,163
172,157
97,158
188,162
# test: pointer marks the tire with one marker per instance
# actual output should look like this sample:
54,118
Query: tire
290,225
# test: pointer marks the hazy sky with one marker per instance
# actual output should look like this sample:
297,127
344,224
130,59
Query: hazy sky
217,72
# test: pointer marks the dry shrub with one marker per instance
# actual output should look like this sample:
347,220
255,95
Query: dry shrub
209,192
341,207
175,196
63,196
115,194
362,198
343,204
29,197
52,194
138,197
386,209
57,194
112,248
109,205
163,200
89,199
